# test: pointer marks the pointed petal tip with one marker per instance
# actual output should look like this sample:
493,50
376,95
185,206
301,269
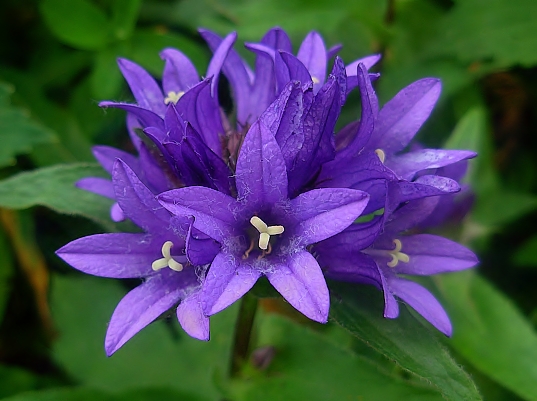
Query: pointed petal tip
192,320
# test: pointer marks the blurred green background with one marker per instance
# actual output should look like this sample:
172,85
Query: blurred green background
58,60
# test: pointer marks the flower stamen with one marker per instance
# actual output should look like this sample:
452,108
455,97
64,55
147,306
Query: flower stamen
247,253
265,231
173,97
167,260
315,80
397,255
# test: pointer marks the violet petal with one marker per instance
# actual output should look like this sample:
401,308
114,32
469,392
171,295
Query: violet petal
423,302
227,280
300,281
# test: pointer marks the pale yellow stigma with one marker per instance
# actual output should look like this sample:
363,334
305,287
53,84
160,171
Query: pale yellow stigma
380,153
173,97
315,80
167,260
397,255
265,231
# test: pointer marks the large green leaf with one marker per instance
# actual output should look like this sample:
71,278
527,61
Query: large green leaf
481,30
403,340
18,132
310,366
54,187
159,355
490,332
105,78
145,46
526,255
495,205
89,394
78,23
472,133
124,16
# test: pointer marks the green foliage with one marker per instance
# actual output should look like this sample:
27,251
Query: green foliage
404,341
330,373
78,23
19,133
485,320
157,356
89,394
526,255
54,187
500,32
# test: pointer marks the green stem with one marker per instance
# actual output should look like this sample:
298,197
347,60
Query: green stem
243,332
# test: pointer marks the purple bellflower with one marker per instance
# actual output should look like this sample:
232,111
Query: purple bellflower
275,66
382,259
157,255
278,195
263,232
199,107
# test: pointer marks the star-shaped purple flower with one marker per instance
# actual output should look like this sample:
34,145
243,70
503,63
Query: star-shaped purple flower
263,232
361,255
275,66
157,256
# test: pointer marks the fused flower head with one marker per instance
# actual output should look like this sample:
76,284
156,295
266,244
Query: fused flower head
263,231
279,194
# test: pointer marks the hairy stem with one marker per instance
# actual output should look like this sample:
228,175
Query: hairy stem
243,332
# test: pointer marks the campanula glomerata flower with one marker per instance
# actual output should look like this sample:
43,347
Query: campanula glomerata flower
271,190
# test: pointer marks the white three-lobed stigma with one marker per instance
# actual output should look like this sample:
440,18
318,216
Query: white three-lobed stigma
265,231
397,255
167,260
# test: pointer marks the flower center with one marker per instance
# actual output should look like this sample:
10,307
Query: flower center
315,80
380,153
397,255
173,97
265,232
167,260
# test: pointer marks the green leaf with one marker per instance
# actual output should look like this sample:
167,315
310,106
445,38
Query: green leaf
495,205
15,380
490,332
499,207
471,132
106,79
526,255
78,23
5,92
54,187
404,340
309,366
89,394
160,355
72,146
501,30
18,133
147,44
406,58
124,16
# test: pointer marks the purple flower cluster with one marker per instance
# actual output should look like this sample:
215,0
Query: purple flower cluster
272,190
